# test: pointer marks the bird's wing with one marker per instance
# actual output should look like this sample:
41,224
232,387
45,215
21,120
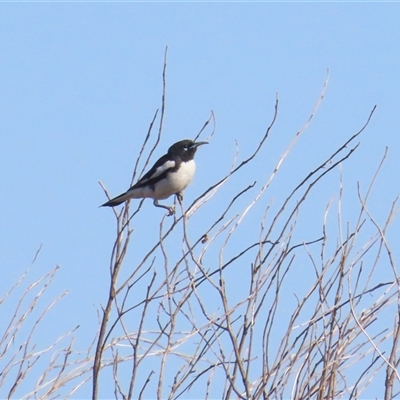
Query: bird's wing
161,166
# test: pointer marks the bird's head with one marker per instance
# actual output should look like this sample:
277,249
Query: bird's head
185,148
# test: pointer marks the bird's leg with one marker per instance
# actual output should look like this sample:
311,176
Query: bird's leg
179,196
170,209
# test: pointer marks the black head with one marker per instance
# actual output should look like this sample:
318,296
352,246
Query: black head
186,149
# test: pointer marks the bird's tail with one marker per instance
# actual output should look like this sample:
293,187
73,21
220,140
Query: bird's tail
117,200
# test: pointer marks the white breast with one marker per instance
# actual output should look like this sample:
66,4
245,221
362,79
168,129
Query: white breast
176,181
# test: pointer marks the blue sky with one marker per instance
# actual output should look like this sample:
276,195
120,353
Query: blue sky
80,83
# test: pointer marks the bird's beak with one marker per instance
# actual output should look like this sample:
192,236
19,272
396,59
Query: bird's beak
197,144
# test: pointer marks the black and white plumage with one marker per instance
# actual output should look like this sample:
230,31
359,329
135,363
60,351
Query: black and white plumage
170,175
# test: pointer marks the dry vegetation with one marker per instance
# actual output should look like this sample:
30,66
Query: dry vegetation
172,327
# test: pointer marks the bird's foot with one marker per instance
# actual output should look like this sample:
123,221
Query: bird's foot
171,211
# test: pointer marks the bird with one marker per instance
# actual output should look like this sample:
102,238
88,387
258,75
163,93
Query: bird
170,175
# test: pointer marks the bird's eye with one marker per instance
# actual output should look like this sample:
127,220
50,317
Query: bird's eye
186,148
